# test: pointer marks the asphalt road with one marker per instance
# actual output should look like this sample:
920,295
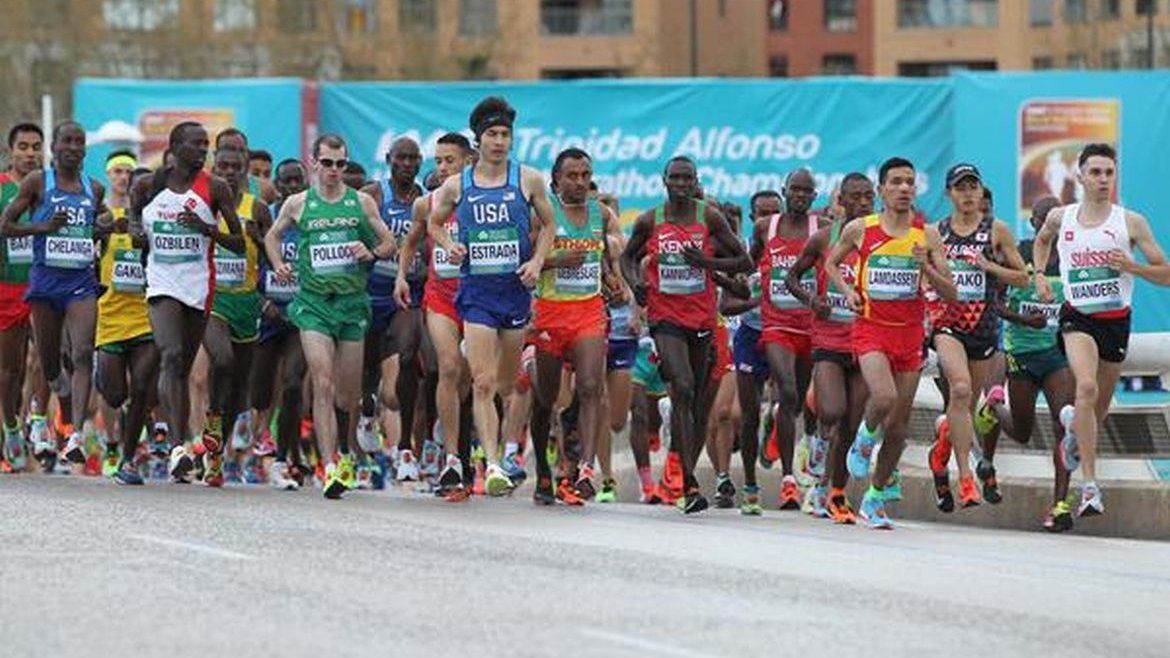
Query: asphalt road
91,569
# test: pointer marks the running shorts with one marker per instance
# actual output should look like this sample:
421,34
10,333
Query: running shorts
509,309
797,343
13,309
121,347
645,373
381,312
241,312
59,288
977,348
341,317
559,325
621,354
697,340
435,301
723,361
748,353
846,360
902,344
1110,334
1036,366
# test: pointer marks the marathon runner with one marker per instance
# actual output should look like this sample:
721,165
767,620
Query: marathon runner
25,147
840,388
499,204
894,249
340,230
63,289
685,239
260,165
234,138
173,216
1095,240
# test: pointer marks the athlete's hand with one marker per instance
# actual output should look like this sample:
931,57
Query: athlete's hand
58,220
696,258
283,273
529,272
820,306
456,254
252,229
981,261
192,221
920,254
361,252
402,292
571,259
1035,320
854,301
1043,290
1121,261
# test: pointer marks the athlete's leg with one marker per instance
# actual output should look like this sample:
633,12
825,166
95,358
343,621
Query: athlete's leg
48,324
857,402
639,426
721,424
983,376
830,381
217,341
588,356
293,373
748,387
1059,390
406,326
347,387
546,384
144,362
321,357
1091,373
452,367
879,380
492,356
174,328
13,353
906,386
1022,393
955,368
617,408
683,365
199,381
791,377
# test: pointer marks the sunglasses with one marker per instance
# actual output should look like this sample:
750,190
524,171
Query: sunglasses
330,163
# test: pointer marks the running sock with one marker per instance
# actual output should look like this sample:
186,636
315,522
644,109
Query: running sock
645,476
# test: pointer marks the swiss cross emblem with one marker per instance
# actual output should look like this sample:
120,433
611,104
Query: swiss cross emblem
1068,236
190,204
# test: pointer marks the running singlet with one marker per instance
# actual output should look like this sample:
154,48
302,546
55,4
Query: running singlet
565,284
281,293
15,253
326,264
834,333
1090,285
974,313
71,246
619,323
178,264
781,310
1021,339
122,313
443,278
888,277
396,214
494,225
753,318
238,273
679,293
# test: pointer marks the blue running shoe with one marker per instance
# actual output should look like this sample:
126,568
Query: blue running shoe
232,472
873,510
380,470
128,475
860,453
893,490
513,466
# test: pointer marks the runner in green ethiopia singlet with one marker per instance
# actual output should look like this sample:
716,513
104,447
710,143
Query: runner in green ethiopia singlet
584,281
15,253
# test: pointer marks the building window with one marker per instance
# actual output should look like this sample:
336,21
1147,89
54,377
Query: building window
1146,7
1040,13
778,66
235,15
417,16
143,15
1110,9
936,69
296,15
1075,11
840,15
1041,63
584,17
947,13
358,16
839,65
1111,59
1077,61
477,17
778,15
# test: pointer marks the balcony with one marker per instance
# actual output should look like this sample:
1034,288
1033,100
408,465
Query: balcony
576,18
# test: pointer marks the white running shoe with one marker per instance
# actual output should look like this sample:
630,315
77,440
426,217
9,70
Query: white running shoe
75,448
242,431
40,437
180,465
407,469
1091,502
432,452
367,435
279,479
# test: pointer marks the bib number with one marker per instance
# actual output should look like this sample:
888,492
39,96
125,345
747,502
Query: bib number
20,250
493,251
174,243
1095,289
71,247
970,281
129,276
892,278
677,277
330,253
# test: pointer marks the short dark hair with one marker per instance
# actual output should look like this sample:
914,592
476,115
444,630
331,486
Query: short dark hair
456,139
68,123
121,153
486,109
760,195
25,127
855,176
260,154
571,153
1096,148
178,131
987,195
679,158
287,161
233,151
332,140
892,163
352,167
228,132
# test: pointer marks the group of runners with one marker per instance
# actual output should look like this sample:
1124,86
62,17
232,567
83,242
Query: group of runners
451,330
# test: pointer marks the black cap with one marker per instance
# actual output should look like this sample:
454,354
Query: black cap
963,170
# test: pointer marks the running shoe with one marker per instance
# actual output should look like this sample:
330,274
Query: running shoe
242,431
367,434
567,494
334,482
213,433
1070,451
584,484
819,500
278,477
513,466
543,493
1059,518
770,447
41,439
693,501
347,471
800,464
75,448
839,510
128,475
406,469
985,471
365,474
1091,502
159,440
213,469
724,492
495,483
749,504
789,494
873,510
608,493
650,495
265,447
672,477
14,453
860,453
431,457
893,488
233,473
940,451
986,417
968,493
818,453
180,465
450,476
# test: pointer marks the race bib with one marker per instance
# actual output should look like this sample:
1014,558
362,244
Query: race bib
677,277
279,291
330,252
778,293
1051,312
20,250
443,267
890,278
970,281
493,250
583,280
71,247
171,242
1094,289
229,268
839,310
128,276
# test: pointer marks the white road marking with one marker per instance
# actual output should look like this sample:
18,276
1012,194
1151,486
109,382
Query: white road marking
636,642
197,548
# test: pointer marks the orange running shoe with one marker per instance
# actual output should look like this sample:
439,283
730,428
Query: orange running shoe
477,486
789,494
650,495
968,492
567,494
940,451
770,454
672,476
839,510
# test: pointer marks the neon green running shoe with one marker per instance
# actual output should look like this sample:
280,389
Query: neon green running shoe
347,472
608,493
750,503
495,482
334,484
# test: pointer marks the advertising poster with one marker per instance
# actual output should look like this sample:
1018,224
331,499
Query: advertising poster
1052,134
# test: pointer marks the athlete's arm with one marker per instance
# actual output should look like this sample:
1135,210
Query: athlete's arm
261,222
223,204
1033,320
532,181
615,243
848,242
139,197
1014,272
1042,249
408,249
28,196
731,283
934,265
386,244
732,304
730,256
445,198
1155,270
807,260
631,259
289,211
